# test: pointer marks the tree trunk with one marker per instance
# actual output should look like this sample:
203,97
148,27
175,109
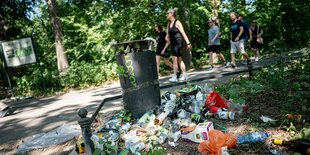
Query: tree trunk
62,61
216,9
3,28
184,17
215,16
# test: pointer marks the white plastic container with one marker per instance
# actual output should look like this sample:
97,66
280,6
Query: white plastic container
199,134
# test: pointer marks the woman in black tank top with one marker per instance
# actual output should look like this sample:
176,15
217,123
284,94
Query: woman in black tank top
174,37
161,47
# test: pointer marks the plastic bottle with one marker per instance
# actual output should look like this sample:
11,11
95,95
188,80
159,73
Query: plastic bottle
199,96
196,108
160,118
169,106
97,141
144,120
113,124
299,145
175,136
134,144
173,97
163,135
253,137
125,127
181,113
207,89
168,109
226,115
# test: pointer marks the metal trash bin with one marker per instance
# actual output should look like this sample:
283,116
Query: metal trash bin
138,77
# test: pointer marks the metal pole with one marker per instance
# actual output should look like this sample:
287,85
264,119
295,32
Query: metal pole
6,70
250,71
85,123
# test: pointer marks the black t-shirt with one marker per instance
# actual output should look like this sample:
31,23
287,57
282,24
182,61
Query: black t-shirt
234,28
246,28
161,41
254,31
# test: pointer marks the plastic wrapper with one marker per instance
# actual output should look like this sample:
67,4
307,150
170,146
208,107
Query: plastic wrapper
214,102
57,136
217,140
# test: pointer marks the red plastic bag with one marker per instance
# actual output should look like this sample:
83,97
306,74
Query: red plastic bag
214,102
217,140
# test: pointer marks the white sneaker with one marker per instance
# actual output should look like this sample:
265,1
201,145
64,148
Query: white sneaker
184,77
256,59
173,79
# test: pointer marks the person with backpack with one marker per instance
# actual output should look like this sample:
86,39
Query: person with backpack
237,40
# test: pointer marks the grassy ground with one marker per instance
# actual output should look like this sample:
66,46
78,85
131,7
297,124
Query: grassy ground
274,92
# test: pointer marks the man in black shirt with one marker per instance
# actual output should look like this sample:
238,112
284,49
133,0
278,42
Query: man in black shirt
237,39
246,28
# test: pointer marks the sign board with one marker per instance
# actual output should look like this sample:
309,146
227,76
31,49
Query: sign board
18,52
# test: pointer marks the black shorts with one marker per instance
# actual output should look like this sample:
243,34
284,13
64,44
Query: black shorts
255,44
176,47
165,55
214,48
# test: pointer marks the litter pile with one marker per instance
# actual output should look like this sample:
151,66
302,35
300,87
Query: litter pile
182,115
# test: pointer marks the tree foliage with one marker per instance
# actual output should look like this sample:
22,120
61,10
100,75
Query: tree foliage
90,25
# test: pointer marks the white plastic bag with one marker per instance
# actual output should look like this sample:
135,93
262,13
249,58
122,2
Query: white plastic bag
57,136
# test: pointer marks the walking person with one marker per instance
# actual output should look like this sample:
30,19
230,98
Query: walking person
161,47
237,40
214,42
175,34
247,31
256,39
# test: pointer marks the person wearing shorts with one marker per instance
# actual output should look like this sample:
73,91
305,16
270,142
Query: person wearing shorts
256,31
161,47
214,42
236,40
175,34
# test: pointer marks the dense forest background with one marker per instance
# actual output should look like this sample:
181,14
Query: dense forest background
72,36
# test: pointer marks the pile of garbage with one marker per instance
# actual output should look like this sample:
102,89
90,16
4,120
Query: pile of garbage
181,115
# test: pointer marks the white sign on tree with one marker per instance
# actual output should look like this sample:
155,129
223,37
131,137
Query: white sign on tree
18,52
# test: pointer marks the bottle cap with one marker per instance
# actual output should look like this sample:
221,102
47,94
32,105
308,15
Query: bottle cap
277,142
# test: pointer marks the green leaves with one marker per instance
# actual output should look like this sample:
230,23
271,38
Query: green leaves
89,26
303,134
